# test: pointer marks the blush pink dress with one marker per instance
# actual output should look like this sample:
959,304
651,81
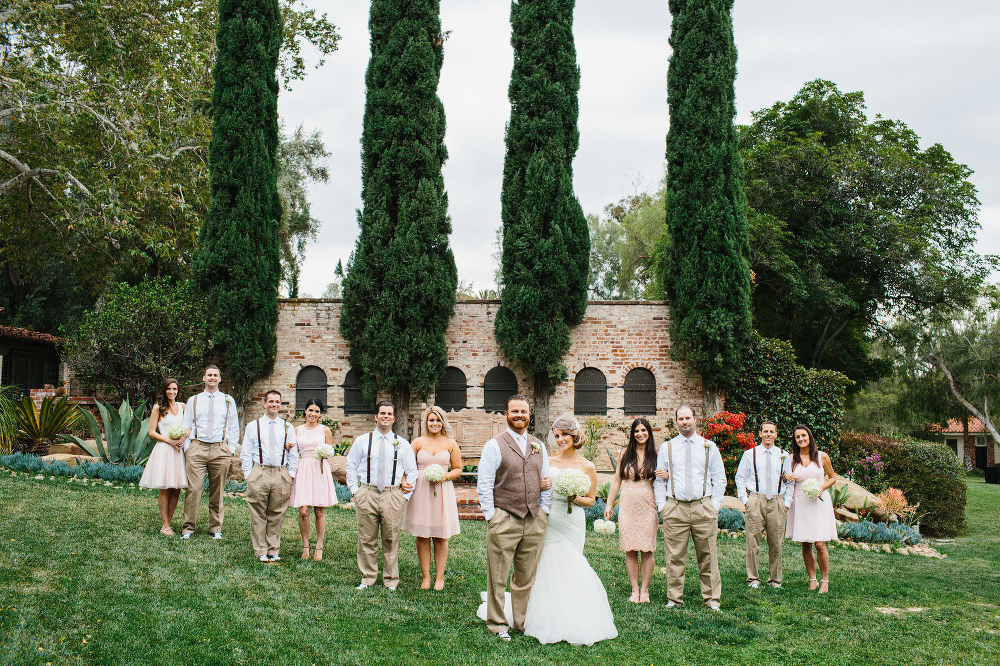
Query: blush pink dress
810,520
637,516
165,468
426,515
313,484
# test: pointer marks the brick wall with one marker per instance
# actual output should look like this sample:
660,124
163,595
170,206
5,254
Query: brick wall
614,337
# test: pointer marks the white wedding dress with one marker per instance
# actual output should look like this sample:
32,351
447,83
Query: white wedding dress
568,602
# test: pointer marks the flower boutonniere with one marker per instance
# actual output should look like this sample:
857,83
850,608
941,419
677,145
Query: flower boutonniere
535,446
708,444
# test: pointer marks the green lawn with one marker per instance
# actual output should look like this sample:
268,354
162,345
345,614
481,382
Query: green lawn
85,577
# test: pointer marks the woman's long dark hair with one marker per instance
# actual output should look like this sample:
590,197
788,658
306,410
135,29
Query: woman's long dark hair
630,457
813,450
161,397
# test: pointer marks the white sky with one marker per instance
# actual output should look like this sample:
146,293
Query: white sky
932,65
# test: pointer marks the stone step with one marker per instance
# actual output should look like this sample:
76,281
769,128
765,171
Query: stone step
468,502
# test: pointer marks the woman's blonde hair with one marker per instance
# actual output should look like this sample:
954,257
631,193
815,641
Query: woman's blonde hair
445,426
569,425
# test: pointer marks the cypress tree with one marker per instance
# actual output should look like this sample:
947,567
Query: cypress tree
399,291
237,265
706,274
546,242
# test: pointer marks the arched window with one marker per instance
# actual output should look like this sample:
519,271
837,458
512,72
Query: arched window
640,392
500,384
310,383
354,403
451,390
590,395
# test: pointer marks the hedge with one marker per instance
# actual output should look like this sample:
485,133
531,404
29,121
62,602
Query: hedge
927,472
772,386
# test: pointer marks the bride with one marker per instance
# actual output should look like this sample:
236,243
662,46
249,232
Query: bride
564,581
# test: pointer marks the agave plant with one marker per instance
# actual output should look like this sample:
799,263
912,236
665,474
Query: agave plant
38,427
8,424
126,434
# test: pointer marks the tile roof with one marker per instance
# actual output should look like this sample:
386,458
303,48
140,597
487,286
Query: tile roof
955,426
14,333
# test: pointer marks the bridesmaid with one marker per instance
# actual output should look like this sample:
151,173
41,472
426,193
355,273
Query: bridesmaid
811,521
166,469
637,517
313,484
427,517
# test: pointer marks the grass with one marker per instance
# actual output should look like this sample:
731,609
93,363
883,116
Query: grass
86,578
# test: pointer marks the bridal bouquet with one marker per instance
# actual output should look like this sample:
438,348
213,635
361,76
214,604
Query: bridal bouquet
571,482
176,432
810,488
322,452
434,473
602,526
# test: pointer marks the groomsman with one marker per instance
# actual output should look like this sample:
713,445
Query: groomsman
511,468
759,487
213,431
376,464
690,482
269,460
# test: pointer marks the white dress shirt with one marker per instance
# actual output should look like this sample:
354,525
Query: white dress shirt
357,461
716,485
745,481
222,429
489,462
251,452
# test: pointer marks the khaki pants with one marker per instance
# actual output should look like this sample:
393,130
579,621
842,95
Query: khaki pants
700,520
379,511
518,540
765,515
203,458
268,492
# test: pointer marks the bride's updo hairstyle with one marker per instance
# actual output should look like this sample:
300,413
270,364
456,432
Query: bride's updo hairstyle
568,424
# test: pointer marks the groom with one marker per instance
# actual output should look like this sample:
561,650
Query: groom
511,468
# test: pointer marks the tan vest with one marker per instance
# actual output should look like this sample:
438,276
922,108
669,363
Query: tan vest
517,488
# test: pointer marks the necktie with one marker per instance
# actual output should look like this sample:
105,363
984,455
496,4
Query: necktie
272,450
767,473
209,432
381,464
688,491
522,444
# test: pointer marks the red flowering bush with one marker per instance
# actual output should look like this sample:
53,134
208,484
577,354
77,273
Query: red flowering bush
726,430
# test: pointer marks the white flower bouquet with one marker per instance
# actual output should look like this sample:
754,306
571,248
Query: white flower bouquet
434,473
571,482
322,452
602,526
176,432
810,488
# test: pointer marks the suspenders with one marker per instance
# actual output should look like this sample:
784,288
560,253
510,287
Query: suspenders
756,477
260,450
670,469
395,457
225,424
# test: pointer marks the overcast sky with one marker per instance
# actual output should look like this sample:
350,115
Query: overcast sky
932,65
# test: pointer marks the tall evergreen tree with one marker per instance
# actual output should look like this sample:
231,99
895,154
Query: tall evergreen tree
546,242
237,265
399,291
706,275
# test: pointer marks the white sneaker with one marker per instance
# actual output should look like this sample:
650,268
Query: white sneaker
216,535
390,588
715,608
754,584
263,558
671,604
363,586
504,636
776,586
185,535
274,558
